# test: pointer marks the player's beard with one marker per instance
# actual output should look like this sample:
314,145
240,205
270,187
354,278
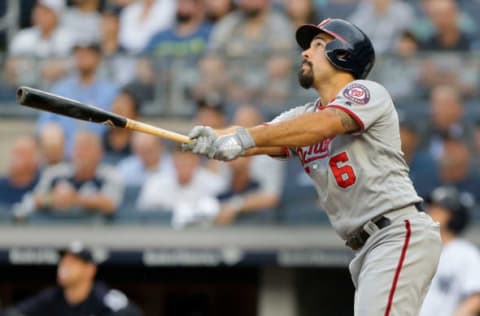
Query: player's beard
305,76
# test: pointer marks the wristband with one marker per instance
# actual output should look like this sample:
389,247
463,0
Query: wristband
245,138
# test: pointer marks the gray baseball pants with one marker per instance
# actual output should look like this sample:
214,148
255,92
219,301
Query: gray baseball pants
393,270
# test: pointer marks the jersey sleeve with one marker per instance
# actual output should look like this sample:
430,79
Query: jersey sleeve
291,113
287,115
365,101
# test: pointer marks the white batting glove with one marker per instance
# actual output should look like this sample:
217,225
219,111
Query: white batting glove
231,146
202,139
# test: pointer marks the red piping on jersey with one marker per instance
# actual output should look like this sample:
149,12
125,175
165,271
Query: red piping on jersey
320,106
399,267
351,113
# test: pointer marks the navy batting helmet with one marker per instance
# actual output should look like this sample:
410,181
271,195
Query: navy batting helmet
459,204
350,50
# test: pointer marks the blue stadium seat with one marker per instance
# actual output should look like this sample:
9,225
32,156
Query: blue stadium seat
299,199
127,213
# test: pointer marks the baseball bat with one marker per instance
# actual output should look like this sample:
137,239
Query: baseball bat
50,102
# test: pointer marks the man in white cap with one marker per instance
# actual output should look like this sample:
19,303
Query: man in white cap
44,39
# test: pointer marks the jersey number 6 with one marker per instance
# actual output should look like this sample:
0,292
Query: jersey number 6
344,174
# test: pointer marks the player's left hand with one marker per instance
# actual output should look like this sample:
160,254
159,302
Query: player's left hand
202,138
231,146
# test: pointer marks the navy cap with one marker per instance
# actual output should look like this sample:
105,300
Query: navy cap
78,249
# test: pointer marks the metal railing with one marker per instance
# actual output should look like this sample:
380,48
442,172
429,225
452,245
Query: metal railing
169,87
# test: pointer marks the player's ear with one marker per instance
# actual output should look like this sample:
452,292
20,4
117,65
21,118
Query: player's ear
91,270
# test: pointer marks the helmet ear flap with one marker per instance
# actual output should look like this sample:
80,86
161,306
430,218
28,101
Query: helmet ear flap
339,54
342,55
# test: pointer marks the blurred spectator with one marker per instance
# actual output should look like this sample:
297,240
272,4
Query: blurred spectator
301,12
186,40
52,145
85,183
211,111
22,174
140,20
251,17
149,157
117,141
85,86
421,164
213,73
120,3
477,141
77,293
121,67
83,15
448,36
383,21
215,10
189,192
342,9
405,63
456,70
145,82
39,53
447,120
410,140
255,29
424,27
256,182
45,38
110,27
455,168
455,288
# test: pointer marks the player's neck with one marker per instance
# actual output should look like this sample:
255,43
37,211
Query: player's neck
78,293
328,89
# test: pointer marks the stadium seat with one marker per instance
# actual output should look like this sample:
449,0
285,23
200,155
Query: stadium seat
299,200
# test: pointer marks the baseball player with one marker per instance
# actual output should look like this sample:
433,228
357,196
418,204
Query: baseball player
455,289
348,142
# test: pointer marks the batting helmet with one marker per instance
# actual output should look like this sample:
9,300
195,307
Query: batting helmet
459,204
350,50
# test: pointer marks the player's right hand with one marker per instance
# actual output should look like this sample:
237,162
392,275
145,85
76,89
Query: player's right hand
202,139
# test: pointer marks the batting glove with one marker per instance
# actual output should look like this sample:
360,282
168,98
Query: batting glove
231,146
202,139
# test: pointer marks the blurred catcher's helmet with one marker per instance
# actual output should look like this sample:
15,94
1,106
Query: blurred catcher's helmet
459,204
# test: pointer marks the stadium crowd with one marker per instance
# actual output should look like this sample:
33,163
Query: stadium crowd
217,62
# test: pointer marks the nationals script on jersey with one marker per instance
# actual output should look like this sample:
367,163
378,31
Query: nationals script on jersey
362,175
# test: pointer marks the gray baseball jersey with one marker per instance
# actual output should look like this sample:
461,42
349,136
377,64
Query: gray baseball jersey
358,176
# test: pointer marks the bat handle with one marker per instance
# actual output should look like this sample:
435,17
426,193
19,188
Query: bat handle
160,132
